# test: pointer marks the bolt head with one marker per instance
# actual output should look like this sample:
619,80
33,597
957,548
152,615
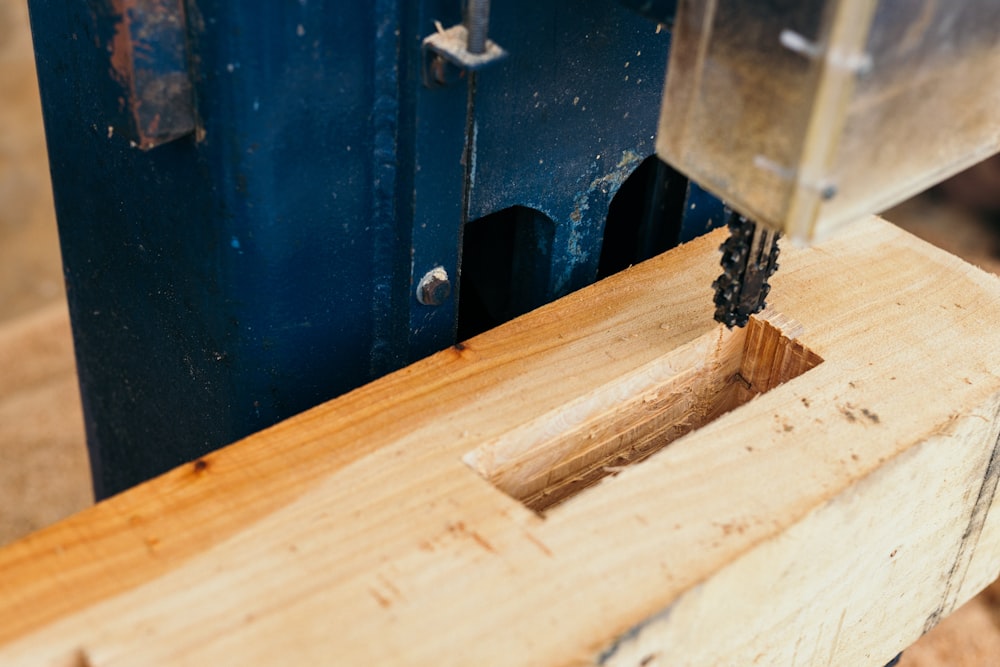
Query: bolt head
434,288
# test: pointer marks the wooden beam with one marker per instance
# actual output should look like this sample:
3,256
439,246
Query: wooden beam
830,519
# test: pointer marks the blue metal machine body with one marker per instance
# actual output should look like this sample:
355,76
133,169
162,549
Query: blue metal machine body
235,276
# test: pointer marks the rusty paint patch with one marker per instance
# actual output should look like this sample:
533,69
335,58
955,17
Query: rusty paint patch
148,57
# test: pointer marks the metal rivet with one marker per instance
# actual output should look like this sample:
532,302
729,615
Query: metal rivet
434,288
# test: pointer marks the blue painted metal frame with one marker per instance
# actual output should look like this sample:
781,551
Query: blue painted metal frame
220,283
580,95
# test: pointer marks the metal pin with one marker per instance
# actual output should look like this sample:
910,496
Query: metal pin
477,23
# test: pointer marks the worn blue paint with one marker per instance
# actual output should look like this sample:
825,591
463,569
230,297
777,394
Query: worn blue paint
580,92
221,284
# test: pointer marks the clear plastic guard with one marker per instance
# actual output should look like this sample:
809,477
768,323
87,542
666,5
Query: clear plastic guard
807,115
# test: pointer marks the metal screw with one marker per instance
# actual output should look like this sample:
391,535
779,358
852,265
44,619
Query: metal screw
434,288
477,23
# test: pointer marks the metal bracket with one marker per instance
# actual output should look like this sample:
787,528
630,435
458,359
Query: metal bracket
447,57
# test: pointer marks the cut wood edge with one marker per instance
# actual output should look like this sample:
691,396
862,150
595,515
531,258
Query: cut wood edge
913,534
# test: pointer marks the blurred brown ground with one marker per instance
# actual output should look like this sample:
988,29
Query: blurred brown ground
44,473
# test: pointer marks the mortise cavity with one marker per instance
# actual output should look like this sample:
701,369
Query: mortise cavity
558,455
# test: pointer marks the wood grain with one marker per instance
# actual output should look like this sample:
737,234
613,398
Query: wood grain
827,521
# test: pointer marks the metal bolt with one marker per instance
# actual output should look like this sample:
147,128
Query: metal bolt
477,23
434,288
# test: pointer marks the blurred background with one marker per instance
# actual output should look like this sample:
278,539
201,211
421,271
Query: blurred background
44,474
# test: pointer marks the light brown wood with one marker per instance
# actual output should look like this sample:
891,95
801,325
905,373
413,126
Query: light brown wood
829,520
541,463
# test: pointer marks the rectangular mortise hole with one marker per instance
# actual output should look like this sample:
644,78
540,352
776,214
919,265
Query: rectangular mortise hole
558,455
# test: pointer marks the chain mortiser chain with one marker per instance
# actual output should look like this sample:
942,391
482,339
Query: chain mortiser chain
749,259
